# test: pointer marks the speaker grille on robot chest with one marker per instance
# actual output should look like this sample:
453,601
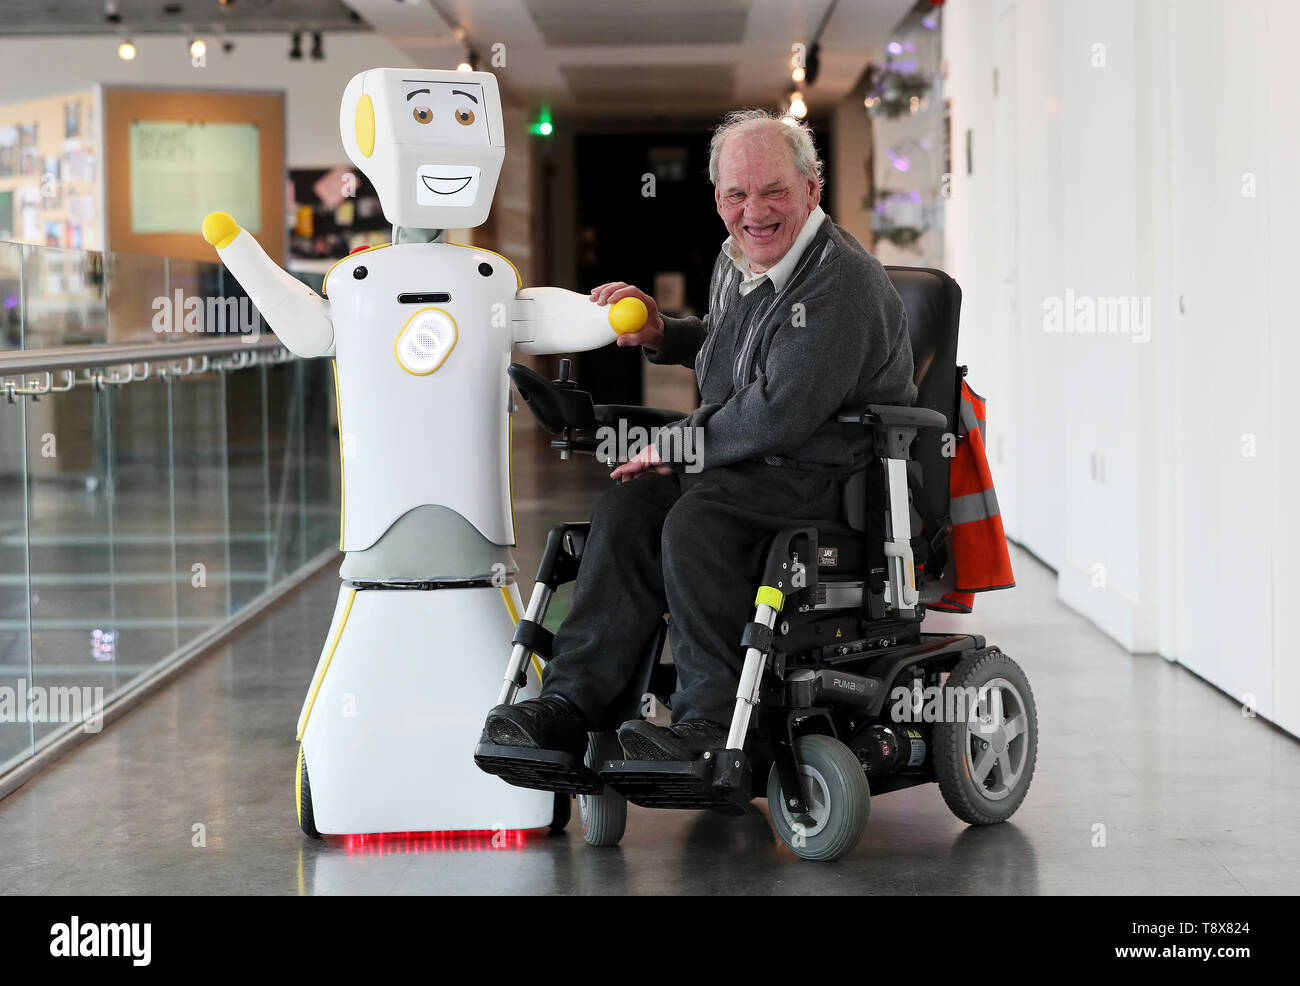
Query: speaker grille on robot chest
426,341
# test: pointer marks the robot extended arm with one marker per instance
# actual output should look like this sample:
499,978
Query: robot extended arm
553,320
297,315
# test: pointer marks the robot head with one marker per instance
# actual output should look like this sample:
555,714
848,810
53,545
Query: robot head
431,142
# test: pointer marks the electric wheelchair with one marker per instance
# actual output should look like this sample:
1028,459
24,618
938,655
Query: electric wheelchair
836,698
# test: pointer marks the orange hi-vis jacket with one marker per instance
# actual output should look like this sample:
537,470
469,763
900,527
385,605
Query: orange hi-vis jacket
978,545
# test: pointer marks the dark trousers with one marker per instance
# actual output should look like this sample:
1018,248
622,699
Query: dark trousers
694,544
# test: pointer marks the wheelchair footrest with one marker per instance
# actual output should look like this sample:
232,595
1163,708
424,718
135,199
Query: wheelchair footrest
681,783
541,770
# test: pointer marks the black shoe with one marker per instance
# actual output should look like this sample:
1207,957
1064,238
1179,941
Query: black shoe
687,740
551,723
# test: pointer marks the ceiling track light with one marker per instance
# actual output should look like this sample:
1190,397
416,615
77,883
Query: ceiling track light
812,63
805,66
296,51
317,47
126,50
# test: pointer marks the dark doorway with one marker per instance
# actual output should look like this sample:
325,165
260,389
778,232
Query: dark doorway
631,227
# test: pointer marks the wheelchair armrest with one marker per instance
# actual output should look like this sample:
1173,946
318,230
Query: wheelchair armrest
636,416
892,415
556,407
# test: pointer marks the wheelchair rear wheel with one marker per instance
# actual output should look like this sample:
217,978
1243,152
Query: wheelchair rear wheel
603,815
839,800
985,758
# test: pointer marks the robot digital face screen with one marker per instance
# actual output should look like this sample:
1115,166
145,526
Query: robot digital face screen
445,113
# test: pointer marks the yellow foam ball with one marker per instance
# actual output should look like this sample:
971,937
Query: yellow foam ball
628,315
219,228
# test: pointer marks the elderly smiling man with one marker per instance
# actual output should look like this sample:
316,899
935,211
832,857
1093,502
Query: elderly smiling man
802,321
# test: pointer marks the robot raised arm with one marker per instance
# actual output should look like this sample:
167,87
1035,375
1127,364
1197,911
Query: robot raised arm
297,315
553,320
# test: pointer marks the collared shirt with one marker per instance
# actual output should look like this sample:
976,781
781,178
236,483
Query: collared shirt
779,273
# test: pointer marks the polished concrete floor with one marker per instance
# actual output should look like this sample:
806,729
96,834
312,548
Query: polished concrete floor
1149,781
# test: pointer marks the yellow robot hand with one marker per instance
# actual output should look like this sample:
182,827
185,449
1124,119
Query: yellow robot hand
220,228
626,315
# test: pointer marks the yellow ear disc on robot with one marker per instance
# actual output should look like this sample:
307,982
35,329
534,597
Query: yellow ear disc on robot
364,125
627,315
219,228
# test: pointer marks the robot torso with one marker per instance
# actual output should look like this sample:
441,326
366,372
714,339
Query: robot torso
422,344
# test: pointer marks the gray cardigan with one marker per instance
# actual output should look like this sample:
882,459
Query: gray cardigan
834,337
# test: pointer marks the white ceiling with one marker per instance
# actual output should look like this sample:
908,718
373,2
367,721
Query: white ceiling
621,57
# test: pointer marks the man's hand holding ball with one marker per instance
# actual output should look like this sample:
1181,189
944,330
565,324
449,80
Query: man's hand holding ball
624,317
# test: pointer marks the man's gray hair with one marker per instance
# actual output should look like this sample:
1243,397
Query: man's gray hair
798,137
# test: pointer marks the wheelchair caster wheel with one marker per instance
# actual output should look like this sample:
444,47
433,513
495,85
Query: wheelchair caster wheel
839,800
603,815
302,792
563,812
985,761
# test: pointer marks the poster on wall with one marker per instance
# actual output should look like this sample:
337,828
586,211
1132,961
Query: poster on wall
182,171
8,151
51,185
29,149
71,119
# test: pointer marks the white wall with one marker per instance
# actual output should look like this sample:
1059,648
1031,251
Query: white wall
52,66
1110,163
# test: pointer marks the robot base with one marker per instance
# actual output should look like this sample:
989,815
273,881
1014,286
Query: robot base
395,711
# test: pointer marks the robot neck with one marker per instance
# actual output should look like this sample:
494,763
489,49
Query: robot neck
407,234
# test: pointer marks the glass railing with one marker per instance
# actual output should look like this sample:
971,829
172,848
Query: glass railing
155,477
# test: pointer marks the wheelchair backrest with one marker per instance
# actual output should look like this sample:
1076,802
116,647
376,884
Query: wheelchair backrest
932,301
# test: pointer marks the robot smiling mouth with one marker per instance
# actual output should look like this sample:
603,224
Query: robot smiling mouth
447,186
447,183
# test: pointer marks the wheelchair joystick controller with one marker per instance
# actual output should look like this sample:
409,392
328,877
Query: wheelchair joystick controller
565,379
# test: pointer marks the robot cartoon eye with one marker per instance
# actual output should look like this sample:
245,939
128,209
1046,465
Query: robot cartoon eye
422,114
464,116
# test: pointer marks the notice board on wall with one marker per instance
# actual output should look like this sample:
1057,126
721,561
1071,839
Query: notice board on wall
173,156
182,171
49,178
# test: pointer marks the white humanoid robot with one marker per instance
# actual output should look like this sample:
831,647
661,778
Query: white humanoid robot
421,333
